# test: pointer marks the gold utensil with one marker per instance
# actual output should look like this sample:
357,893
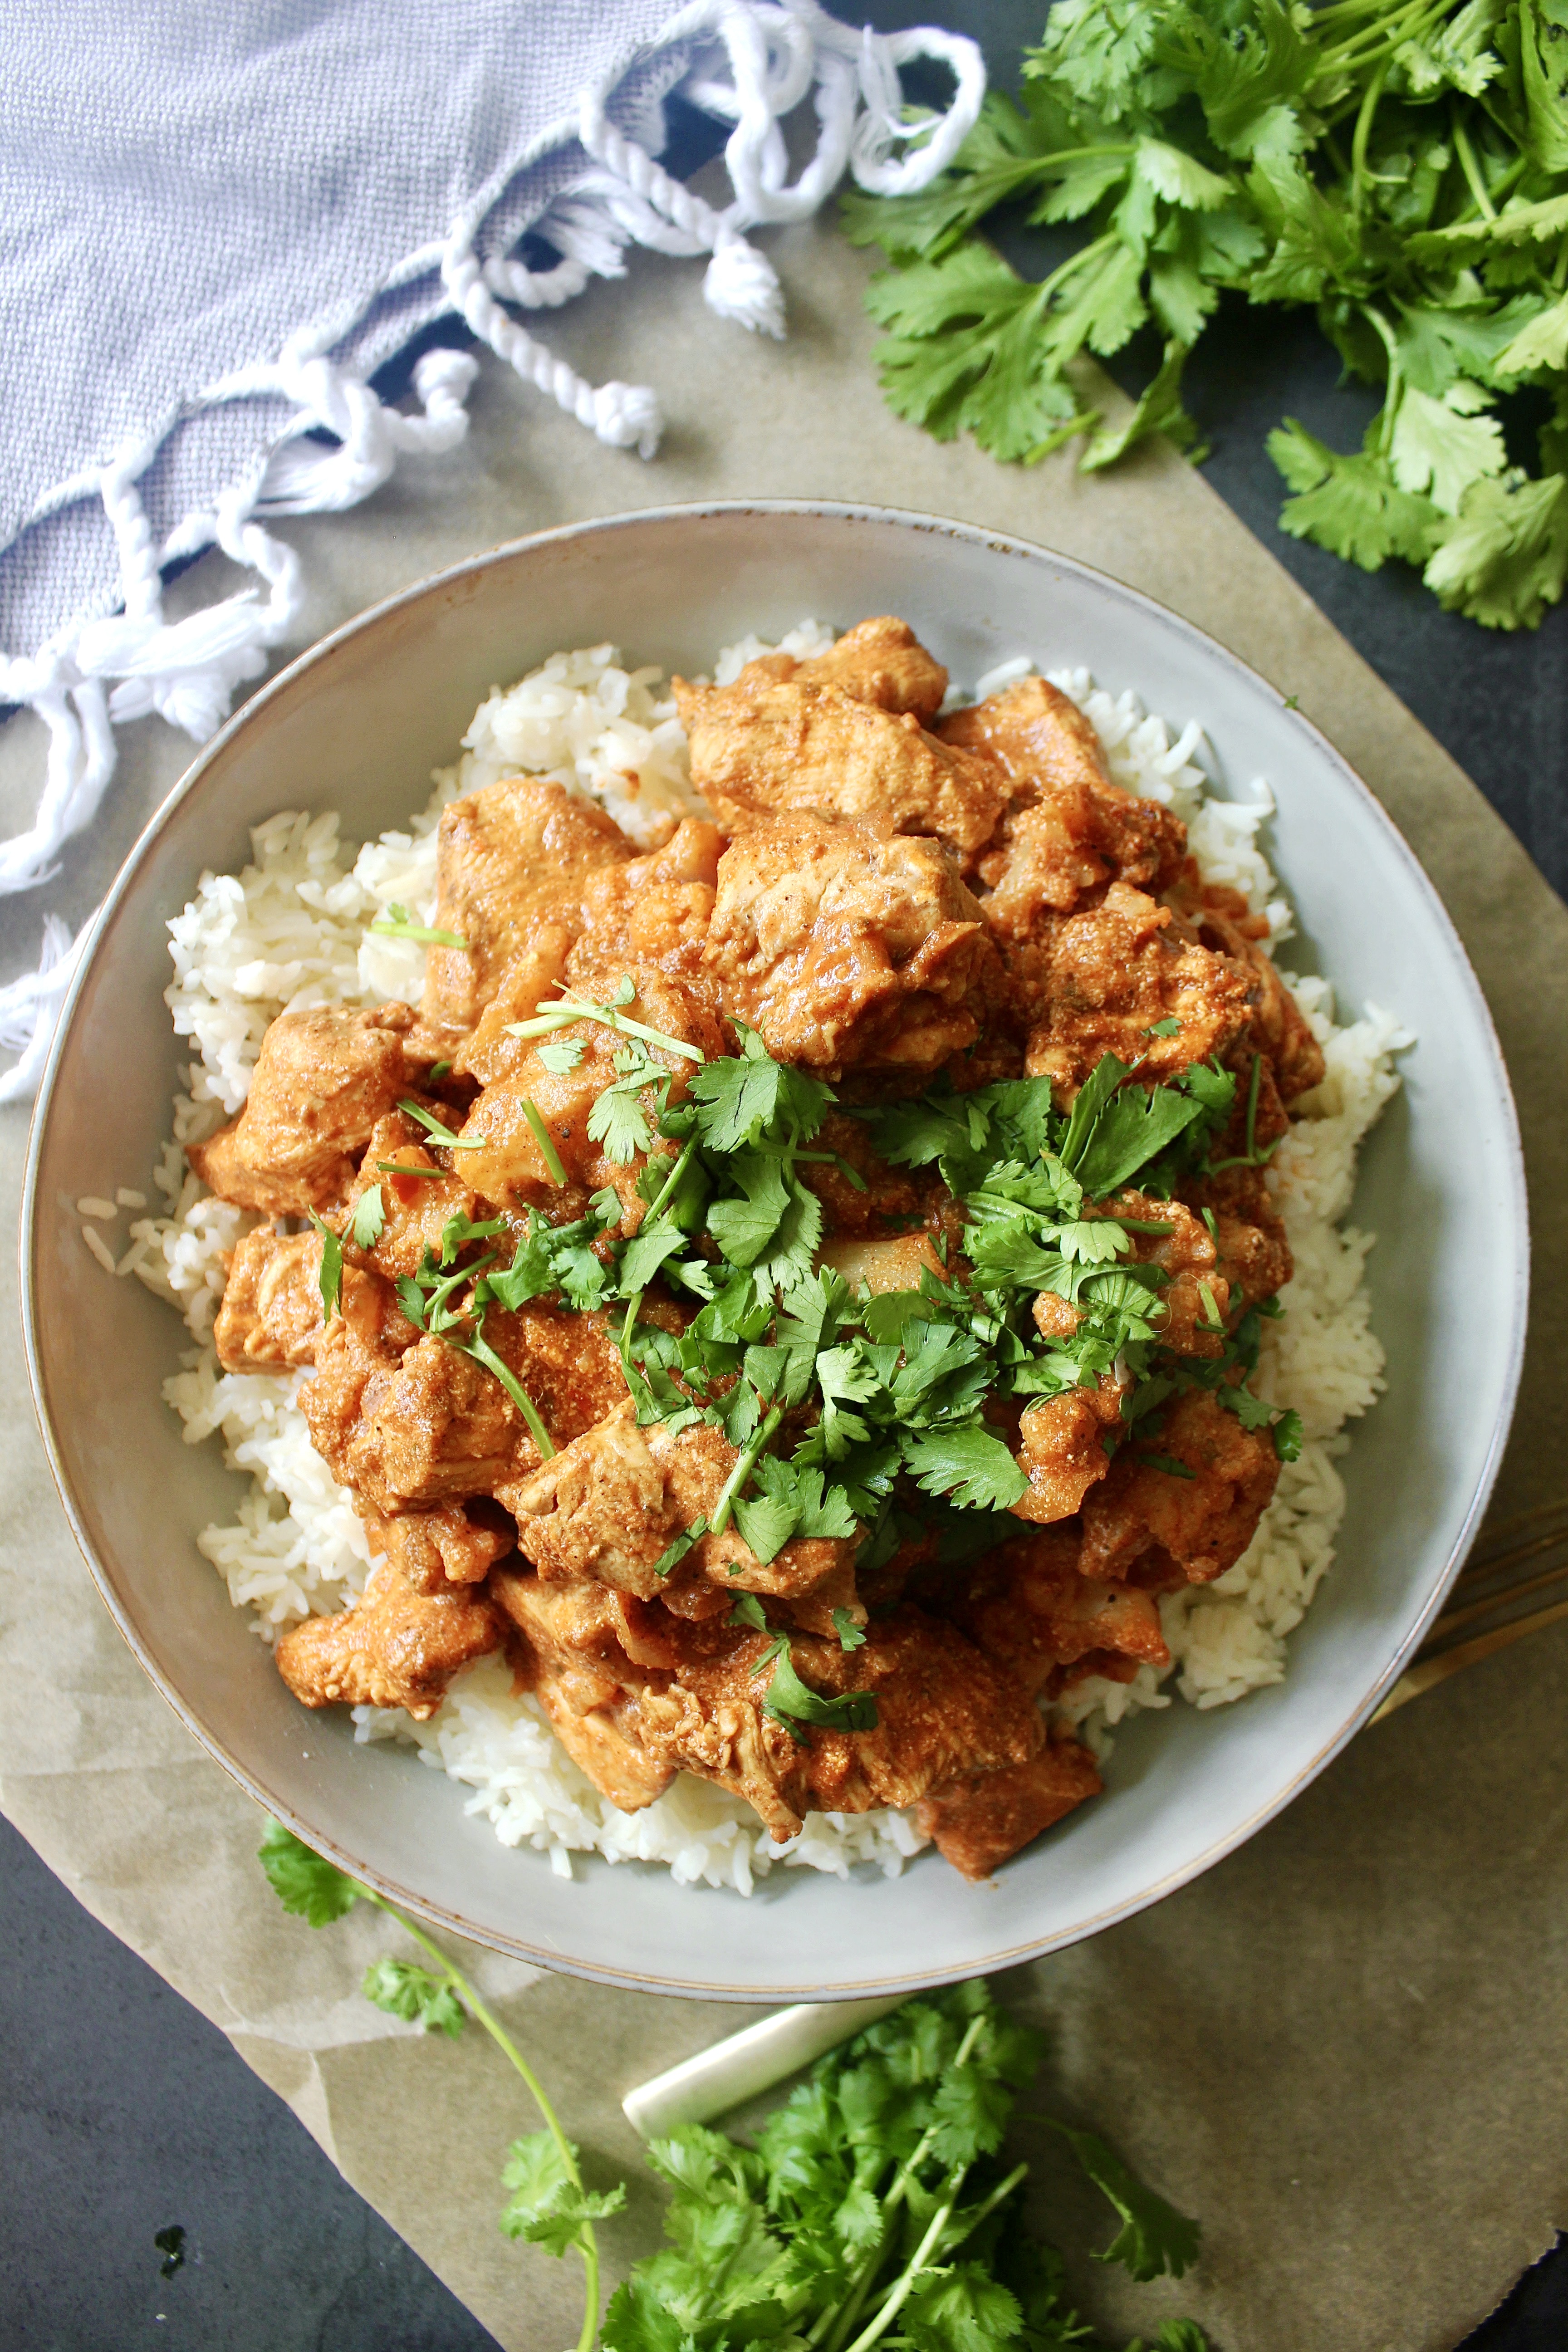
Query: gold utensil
1517,1561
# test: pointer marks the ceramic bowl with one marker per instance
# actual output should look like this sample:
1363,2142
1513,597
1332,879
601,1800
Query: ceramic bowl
357,724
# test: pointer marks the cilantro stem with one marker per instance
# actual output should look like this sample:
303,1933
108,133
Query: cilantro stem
547,1151
1361,136
878,2327
437,1299
719,1517
566,1010
587,2244
401,927
479,1348
669,1183
1470,168
433,1126
833,2326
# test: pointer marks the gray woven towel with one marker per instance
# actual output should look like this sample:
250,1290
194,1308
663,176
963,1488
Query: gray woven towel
216,222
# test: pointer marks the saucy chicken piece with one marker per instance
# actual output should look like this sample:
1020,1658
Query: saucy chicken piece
1167,1530
1106,976
415,1206
1219,918
941,1709
321,1081
1061,1450
584,1646
1254,1258
1029,1607
510,855
655,910
428,1423
1196,1295
449,1543
764,748
611,1504
844,949
502,1156
395,1647
1069,827
270,1318
981,1821
880,661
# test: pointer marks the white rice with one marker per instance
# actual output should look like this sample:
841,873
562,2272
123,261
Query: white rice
292,931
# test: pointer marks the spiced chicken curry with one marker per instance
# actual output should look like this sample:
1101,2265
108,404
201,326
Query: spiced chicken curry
794,1292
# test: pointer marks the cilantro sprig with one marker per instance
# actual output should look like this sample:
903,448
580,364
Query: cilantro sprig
1403,169
549,2205
876,2206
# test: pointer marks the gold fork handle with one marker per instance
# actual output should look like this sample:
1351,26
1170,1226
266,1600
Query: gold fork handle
1428,1672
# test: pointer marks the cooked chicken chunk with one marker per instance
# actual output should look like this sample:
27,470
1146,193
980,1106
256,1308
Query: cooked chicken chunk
1166,1529
611,1504
1029,1606
1069,826
1061,1450
1196,1295
428,1423
763,749
845,950
448,1543
511,856
415,1206
270,1318
941,1709
978,1822
1253,1258
655,909
502,1156
1219,918
1102,979
321,1081
586,1650
880,661
396,1647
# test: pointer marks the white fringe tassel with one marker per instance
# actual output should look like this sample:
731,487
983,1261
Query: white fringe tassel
91,675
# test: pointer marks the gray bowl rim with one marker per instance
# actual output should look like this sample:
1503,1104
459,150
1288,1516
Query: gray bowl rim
437,1915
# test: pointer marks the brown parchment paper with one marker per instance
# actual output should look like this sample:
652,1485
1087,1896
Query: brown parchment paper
1347,2047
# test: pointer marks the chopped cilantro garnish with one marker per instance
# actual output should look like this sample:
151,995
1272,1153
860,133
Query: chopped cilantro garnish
568,1008
433,1126
397,923
332,1275
369,1218
547,1151
790,1701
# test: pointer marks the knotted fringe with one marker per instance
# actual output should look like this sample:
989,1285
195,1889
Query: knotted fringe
776,52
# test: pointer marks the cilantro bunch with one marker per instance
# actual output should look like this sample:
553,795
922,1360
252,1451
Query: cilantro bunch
875,2207
1402,165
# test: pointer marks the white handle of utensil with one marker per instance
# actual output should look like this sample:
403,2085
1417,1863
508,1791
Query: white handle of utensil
745,2065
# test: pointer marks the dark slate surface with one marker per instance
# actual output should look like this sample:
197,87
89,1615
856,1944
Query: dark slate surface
122,2112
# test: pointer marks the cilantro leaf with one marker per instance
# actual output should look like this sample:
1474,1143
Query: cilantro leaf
330,1279
1288,1438
369,1218
850,1636
791,1701
405,1989
741,1098
547,2207
743,1228
304,1882
1153,2237
972,1468
1136,1125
